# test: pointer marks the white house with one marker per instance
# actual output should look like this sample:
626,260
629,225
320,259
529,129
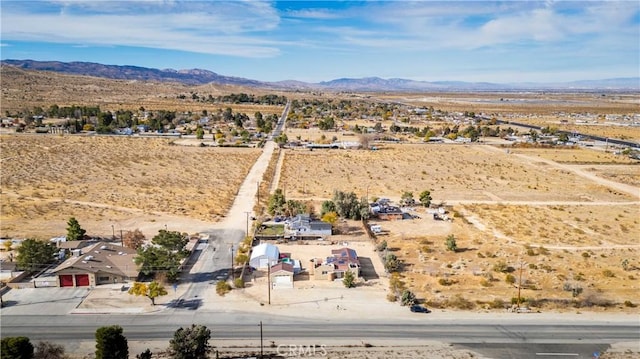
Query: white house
263,255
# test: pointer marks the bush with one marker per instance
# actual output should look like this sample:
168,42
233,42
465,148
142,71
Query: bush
510,279
238,283
382,246
629,304
48,350
485,283
497,304
408,298
608,273
392,297
500,267
460,303
445,282
191,343
222,288
585,255
451,243
16,348
349,280
514,300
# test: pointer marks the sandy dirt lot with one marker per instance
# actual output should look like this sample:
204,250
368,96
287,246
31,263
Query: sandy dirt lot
127,182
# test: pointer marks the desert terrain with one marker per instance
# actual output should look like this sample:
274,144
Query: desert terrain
127,182
552,220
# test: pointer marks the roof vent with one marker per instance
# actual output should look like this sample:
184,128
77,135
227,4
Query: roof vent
88,258
103,247
85,262
120,253
108,266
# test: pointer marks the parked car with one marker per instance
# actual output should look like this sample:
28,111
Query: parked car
417,308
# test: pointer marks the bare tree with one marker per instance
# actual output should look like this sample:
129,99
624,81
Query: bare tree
133,239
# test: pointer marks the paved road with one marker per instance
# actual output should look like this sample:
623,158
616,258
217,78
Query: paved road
509,339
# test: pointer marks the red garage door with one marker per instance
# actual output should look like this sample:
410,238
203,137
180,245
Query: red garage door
66,280
82,280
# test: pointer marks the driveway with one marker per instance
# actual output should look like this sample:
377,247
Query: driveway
38,301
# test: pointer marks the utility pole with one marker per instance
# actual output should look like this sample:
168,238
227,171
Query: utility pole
269,279
247,213
258,192
113,232
121,239
520,283
261,345
233,272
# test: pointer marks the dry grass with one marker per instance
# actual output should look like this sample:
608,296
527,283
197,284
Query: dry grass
451,172
505,202
49,178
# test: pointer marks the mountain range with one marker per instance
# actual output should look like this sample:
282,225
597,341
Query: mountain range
200,77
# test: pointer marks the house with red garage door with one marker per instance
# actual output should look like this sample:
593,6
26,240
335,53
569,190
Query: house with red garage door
100,263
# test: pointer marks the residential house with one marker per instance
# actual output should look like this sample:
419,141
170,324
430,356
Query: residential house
100,263
303,226
281,275
335,266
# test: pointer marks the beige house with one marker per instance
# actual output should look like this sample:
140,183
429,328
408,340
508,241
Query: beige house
100,263
334,267
281,275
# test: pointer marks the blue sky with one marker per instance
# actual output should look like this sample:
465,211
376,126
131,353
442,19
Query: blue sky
511,41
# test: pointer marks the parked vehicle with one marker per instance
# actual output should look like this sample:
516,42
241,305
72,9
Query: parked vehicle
417,308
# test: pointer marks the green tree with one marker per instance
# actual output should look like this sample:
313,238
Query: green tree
153,290
16,348
74,231
190,343
382,246
451,243
48,350
391,263
327,206
34,254
170,240
276,203
157,259
349,206
425,198
407,298
349,279
199,133
407,198
111,343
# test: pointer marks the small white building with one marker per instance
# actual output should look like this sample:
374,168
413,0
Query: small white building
263,255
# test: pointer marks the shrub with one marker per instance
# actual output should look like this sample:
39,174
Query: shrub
48,350
222,288
238,283
408,298
451,243
382,246
500,267
531,252
585,255
16,347
349,280
444,281
533,266
514,300
510,279
608,273
497,304
629,304
460,303
191,343
392,297
485,283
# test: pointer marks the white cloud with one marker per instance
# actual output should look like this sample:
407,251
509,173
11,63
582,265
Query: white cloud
203,27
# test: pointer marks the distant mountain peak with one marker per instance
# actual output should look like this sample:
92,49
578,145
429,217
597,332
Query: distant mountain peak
371,84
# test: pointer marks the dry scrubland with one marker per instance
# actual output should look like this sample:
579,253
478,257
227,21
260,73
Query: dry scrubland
506,207
540,109
109,180
452,172
25,89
